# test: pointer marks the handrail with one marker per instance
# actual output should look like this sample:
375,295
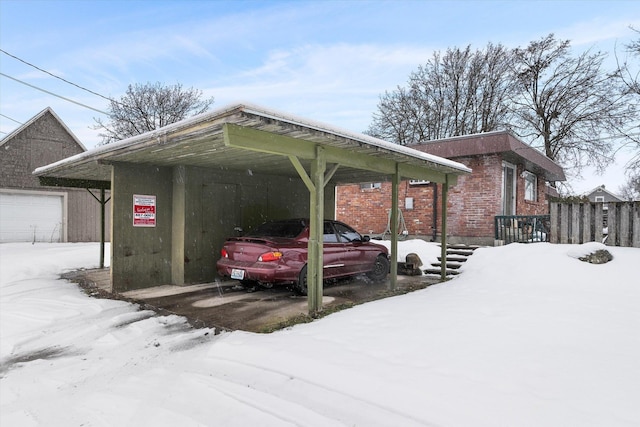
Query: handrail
522,228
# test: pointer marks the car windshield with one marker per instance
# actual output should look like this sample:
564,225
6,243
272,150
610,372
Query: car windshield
289,229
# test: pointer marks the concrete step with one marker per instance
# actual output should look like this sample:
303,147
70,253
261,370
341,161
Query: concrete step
436,271
465,252
454,258
452,265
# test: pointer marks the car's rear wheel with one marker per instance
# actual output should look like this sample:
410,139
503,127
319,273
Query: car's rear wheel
301,285
380,269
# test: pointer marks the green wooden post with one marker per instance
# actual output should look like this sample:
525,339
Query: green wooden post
316,229
443,238
312,259
393,284
318,168
102,226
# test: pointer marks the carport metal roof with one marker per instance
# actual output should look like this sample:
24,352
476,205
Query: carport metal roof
247,137
200,141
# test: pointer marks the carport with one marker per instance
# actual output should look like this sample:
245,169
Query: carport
234,167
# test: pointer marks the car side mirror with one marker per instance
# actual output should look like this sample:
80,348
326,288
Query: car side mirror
365,239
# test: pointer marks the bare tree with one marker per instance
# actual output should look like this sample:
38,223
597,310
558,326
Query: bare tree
569,104
629,73
458,93
631,190
148,107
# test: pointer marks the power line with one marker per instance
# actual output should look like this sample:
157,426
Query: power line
13,120
54,94
53,75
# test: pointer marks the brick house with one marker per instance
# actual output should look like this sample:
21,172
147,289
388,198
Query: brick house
509,178
30,212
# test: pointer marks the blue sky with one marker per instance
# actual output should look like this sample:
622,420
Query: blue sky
324,60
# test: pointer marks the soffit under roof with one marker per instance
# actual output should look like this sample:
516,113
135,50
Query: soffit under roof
199,142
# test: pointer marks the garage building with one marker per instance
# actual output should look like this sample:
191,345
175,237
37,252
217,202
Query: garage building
30,212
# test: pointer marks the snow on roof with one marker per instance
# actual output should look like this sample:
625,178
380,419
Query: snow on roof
261,111
255,109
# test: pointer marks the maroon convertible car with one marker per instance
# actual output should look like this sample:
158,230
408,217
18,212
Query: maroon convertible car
276,253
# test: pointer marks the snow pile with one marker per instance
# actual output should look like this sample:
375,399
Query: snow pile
525,336
428,252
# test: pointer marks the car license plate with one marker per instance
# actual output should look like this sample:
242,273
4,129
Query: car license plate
237,274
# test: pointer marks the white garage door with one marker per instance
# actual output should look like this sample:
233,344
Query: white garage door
31,217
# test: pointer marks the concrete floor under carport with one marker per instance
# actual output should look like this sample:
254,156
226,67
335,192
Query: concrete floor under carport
226,306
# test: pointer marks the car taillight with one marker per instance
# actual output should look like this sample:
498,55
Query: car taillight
224,253
270,256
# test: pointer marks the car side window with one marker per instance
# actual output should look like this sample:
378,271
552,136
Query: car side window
347,234
329,235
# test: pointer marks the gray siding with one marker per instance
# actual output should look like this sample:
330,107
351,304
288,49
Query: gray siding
44,141
84,216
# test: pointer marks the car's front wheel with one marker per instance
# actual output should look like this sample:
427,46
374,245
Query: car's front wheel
301,285
380,269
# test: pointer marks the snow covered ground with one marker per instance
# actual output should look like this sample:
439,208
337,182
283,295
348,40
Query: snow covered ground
527,335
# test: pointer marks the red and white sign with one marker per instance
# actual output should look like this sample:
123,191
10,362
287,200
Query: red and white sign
144,211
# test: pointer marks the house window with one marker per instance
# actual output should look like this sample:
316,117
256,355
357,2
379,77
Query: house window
370,186
530,186
600,199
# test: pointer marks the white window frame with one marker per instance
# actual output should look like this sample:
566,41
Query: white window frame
371,186
530,186
508,197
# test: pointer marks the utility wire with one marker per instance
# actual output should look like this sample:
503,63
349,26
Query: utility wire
57,77
13,120
54,94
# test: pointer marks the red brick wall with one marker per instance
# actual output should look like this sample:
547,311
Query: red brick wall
472,203
476,199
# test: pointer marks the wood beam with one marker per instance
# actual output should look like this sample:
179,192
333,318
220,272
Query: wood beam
50,181
265,142
303,173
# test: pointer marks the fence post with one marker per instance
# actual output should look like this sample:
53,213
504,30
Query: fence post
587,224
564,223
553,226
612,224
598,223
575,223
625,229
636,224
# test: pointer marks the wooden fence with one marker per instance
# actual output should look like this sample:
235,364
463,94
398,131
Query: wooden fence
615,224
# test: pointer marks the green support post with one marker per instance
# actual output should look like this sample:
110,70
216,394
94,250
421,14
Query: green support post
393,284
102,227
316,228
443,238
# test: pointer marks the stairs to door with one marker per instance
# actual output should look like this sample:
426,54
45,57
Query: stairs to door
457,255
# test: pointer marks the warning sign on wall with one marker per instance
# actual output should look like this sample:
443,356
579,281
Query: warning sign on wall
144,211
